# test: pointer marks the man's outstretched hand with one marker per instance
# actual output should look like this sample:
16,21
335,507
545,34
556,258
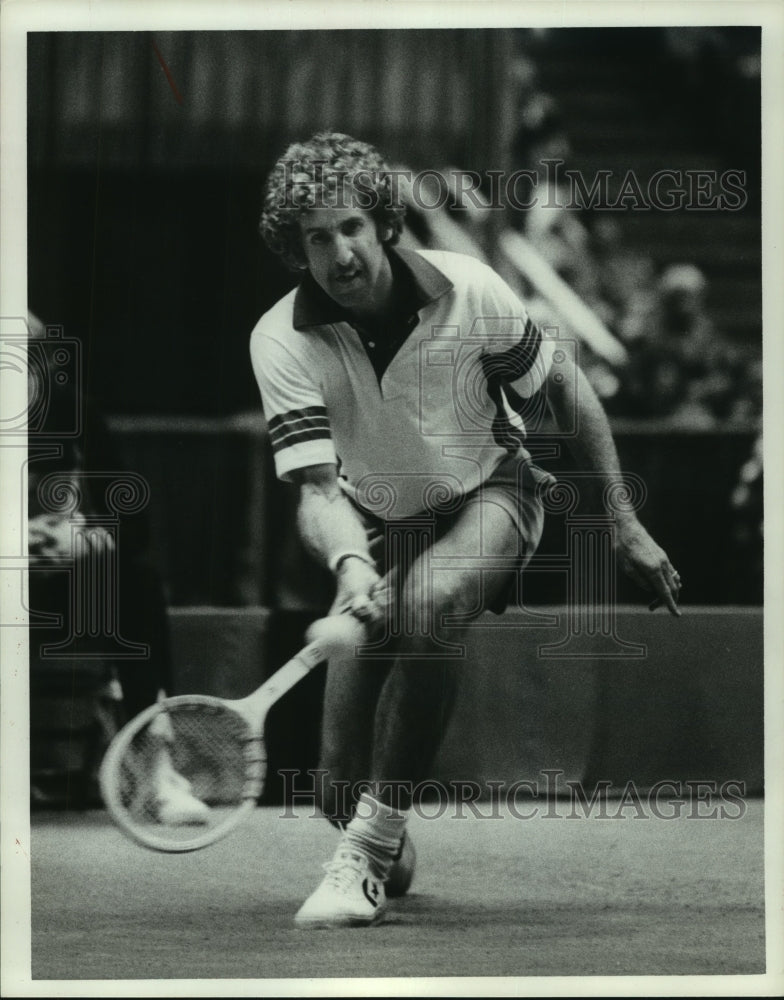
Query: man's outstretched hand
647,564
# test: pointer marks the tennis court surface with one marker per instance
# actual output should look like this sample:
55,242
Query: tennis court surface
492,897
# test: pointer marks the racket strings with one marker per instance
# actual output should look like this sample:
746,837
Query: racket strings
189,767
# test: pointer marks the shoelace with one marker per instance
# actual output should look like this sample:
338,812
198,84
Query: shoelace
342,871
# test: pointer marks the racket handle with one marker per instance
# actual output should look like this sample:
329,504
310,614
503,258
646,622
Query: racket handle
317,651
337,635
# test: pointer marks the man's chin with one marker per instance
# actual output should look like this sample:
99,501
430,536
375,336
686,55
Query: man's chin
349,294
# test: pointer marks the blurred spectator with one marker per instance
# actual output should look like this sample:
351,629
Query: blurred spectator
626,277
681,367
81,692
557,232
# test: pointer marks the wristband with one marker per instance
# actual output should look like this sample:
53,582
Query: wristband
337,560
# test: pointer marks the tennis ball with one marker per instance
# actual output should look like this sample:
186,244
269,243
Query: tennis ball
337,634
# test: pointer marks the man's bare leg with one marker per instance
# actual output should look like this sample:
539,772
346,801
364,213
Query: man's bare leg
416,701
383,725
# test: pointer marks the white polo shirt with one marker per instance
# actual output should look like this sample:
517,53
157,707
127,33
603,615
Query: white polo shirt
438,422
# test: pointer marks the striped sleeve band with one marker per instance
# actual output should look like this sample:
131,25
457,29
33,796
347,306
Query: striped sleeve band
298,426
515,362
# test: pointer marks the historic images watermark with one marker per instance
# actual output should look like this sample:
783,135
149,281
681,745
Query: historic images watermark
551,185
550,795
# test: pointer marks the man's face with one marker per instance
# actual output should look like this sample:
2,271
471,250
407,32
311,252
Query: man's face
347,258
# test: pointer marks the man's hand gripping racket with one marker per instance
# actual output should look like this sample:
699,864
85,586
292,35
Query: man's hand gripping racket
188,770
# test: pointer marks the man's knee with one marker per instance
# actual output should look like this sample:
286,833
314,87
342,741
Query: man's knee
428,603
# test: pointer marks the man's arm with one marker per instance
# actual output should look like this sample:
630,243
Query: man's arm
593,448
333,533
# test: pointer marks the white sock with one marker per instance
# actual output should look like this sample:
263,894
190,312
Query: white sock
376,831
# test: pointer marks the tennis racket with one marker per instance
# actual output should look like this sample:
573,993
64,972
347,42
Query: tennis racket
188,770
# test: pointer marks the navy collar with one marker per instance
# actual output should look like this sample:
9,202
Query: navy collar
425,283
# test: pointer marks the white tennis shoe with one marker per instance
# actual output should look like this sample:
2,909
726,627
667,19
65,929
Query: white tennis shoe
350,894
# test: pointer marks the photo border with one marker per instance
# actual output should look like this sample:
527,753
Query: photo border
21,16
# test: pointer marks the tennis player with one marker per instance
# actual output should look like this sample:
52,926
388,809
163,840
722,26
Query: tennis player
387,379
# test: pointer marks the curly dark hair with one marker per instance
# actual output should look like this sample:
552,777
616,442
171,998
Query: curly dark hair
321,173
